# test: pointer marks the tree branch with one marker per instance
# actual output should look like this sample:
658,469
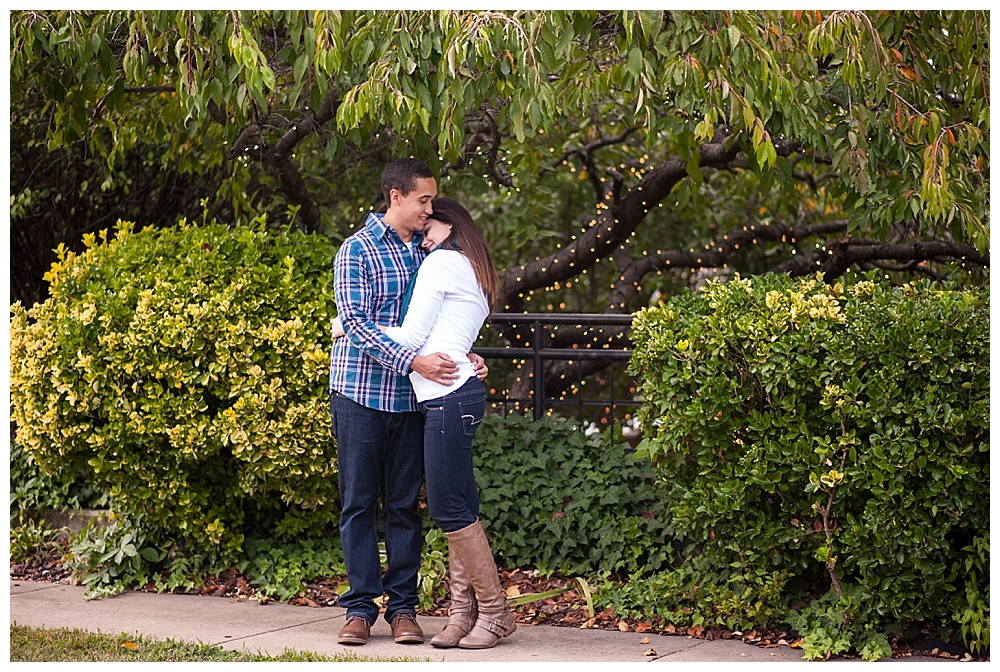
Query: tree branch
251,143
607,231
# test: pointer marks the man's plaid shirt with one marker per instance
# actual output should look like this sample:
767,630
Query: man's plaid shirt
370,273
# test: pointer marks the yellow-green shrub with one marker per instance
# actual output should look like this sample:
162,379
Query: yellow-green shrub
839,432
185,369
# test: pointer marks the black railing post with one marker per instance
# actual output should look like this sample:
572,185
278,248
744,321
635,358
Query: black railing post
536,346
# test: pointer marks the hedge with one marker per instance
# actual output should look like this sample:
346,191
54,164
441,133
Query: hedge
836,431
185,369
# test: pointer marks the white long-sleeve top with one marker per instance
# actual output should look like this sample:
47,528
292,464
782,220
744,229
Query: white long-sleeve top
446,312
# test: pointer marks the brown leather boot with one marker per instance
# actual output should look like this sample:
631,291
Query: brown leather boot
494,620
462,612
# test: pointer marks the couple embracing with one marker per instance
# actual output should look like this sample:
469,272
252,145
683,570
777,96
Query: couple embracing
406,398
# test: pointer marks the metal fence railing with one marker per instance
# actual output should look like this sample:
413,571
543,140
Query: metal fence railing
608,400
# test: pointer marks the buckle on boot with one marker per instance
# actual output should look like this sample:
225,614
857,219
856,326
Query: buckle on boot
493,625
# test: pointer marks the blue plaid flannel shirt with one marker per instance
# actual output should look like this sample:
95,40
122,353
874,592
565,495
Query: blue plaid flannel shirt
371,270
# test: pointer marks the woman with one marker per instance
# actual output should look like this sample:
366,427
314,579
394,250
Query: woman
451,298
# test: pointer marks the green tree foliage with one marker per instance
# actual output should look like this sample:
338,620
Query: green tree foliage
63,193
613,157
838,431
184,369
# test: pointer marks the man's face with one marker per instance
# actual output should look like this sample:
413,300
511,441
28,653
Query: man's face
412,210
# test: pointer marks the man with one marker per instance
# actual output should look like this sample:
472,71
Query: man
376,421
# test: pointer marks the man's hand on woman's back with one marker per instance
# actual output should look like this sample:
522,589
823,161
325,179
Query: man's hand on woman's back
437,366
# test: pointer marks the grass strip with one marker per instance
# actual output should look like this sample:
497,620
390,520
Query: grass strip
28,644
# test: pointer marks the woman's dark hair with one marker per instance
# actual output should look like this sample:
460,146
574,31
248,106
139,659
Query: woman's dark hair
466,238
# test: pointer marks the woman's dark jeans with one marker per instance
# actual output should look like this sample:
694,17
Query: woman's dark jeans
450,423
380,456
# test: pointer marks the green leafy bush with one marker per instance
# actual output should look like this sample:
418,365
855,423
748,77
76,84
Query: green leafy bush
432,578
185,371
33,541
835,624
281,570
558,500
699,592
33,492
109,559
839,432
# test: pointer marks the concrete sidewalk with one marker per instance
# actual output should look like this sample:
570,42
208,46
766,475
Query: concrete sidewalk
272,628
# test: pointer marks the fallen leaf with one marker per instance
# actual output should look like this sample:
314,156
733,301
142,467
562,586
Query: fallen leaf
589,623
643,626
695,631
513,591
644,640
131,646
623,626
670,629
797,644
648,515
649,652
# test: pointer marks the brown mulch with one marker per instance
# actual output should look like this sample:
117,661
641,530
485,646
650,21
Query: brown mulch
568,609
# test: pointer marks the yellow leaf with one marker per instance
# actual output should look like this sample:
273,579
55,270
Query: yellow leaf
513,591
649,652
623,626
131,646
644,640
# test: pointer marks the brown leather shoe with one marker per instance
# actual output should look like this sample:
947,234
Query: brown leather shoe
355,631
405,630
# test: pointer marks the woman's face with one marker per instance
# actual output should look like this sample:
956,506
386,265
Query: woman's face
435,233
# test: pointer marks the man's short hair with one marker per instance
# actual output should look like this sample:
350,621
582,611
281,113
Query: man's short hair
402,175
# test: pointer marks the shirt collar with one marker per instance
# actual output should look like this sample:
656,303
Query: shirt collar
383,230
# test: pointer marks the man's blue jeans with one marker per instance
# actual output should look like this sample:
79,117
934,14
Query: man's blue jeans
450,423
380,457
